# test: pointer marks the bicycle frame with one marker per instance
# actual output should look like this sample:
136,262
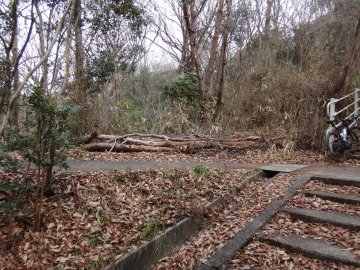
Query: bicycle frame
333,113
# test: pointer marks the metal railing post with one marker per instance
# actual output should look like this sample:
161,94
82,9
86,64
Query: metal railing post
356,101
331,109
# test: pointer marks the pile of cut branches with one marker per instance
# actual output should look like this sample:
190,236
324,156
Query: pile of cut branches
160,143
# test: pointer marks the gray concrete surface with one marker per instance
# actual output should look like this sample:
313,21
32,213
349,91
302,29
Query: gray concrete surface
314,248
347,179
96,165
349,173
336,218
335,197
283,167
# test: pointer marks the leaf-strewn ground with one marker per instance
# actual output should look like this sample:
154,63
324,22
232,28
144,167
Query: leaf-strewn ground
96,217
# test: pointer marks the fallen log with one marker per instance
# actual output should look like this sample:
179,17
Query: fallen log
167,146
157,143
137,142
115,138
117,147
112,138
86,138
207,144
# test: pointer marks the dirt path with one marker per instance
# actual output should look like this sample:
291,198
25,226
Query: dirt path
97,165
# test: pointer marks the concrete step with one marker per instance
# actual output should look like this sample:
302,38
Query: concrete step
335,197
287,168
339,181
313,248
240,240
273,169
217,260
335,218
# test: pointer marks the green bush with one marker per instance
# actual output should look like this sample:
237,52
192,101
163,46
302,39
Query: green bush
44,133
183,87
131,118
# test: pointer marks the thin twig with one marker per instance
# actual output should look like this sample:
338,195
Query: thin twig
112,147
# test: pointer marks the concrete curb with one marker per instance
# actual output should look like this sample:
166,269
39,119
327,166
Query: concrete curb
163,244
160,246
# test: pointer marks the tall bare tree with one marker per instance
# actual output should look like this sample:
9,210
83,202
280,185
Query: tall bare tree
207,67
12,56
16,92
223,56
345,79
80,94
190,17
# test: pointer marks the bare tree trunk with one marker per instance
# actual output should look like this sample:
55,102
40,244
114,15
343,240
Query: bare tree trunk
6,117
266,35
190,20
15,79
344,81
267,21
45,68
10,57
80,76
69,34
47,189
185,62
9,97
214,45
222,60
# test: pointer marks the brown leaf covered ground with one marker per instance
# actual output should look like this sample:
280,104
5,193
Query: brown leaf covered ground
96,217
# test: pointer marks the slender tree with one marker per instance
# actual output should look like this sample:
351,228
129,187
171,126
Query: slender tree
80,91
190,17
15,94
215,63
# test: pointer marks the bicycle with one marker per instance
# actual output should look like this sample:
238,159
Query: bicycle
341,137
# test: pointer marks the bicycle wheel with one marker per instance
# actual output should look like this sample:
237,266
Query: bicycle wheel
335,146
355,137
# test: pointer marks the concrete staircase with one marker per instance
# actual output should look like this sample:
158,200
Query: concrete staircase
295,243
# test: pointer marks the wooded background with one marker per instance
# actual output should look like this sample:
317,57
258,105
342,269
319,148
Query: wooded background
237,65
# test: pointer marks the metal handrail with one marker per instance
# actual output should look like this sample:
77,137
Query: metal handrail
331,110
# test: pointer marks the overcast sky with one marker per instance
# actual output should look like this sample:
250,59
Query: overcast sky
157,57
